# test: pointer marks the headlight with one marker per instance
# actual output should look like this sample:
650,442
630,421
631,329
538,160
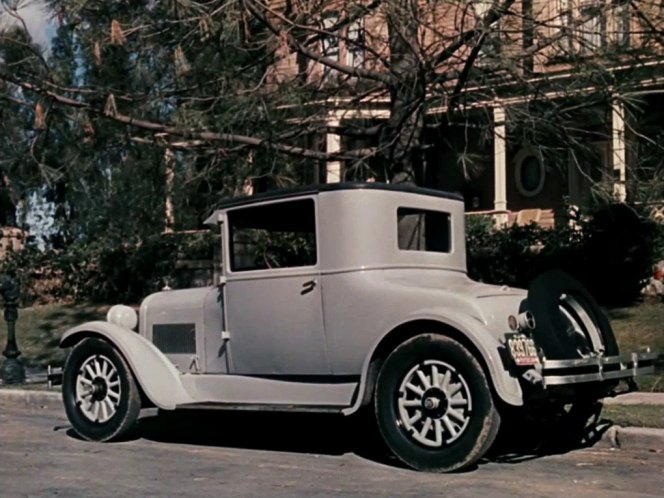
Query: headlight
122,315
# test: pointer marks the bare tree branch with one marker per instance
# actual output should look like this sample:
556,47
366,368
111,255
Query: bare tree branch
194,136
316,56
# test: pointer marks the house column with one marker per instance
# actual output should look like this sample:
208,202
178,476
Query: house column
333,144
499,166
618,150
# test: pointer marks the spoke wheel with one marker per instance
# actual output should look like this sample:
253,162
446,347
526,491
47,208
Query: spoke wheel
434,406
100,395
98,389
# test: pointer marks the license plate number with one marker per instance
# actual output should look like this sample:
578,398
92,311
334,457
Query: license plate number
522,349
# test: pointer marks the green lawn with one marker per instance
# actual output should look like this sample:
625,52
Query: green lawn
637,327
39,330
635,415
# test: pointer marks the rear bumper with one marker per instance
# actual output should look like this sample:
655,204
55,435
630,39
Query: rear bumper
596,369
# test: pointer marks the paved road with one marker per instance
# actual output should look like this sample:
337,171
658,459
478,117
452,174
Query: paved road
276,455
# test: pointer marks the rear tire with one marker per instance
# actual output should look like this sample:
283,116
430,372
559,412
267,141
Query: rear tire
434,406
101,398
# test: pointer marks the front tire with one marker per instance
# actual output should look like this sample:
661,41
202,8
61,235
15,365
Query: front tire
434,406
101,398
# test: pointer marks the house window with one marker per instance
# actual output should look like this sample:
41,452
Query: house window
530,173
330,42
355,44
279,235
591,32
424,230
622,14
594,24
490,50
489,54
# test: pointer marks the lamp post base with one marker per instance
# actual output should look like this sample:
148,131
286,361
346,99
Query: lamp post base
12,372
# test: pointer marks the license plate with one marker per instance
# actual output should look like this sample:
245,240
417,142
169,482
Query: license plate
522,349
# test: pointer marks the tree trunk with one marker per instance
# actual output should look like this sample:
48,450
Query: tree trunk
402,137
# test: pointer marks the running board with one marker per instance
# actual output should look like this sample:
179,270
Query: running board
235,391
261,407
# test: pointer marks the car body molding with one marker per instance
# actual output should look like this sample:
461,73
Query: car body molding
156,375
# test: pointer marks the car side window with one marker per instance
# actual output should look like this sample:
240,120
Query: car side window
424,230
280,235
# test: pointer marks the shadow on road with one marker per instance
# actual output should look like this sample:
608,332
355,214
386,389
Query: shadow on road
323,434
542,434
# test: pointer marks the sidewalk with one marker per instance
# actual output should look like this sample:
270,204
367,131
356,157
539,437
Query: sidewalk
637,398
33,398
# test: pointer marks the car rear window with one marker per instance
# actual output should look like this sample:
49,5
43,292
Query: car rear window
279,235
424,230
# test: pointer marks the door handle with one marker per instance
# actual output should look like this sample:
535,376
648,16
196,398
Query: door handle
307,287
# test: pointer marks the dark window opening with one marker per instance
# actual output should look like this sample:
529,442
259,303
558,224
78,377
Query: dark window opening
423,230
279,235
531,176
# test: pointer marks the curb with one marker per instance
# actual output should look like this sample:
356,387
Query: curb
636,398
641,438
34,399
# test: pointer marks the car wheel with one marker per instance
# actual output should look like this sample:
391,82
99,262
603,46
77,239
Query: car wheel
434,406
569,323
101,398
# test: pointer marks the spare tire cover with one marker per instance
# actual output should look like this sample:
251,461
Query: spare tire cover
554,331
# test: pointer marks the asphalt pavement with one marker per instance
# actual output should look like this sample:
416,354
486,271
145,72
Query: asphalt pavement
239,455
637,438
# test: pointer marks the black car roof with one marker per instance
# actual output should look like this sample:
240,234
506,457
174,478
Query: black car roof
315,189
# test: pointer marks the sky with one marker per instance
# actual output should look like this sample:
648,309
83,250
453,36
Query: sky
42,29
36,16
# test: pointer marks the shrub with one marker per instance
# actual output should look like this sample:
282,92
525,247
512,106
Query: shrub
618,253
612,252
102,271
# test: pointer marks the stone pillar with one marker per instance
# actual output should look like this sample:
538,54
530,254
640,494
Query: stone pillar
618,151
500,166
333,144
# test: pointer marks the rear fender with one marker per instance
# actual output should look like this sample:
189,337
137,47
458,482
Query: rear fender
486,345
156,375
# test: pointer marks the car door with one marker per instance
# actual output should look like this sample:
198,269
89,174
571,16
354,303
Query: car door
274,305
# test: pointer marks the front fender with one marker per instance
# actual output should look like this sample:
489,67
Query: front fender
156,375
506,386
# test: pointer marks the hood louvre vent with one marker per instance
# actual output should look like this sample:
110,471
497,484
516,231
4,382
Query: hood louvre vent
175,338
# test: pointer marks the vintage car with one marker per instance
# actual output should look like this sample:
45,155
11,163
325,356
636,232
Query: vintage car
346,297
